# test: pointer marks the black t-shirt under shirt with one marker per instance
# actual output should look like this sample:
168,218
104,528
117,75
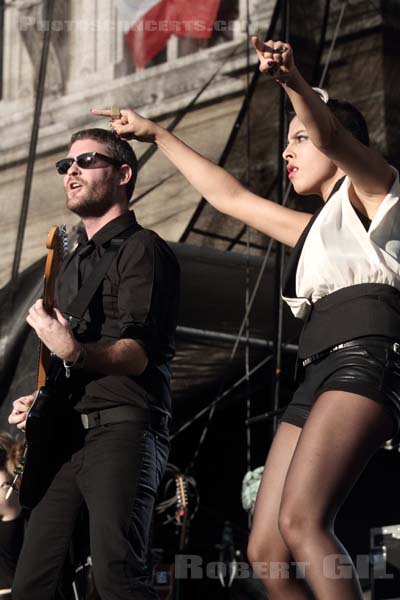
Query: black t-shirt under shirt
138,299
365,220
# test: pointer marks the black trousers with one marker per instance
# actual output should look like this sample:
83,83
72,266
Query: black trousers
116,474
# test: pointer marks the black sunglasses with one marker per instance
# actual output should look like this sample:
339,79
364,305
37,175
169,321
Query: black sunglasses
87,160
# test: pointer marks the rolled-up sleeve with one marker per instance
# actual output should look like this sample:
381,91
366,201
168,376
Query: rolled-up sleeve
144,292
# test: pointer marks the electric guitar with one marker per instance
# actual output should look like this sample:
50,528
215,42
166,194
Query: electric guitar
47,426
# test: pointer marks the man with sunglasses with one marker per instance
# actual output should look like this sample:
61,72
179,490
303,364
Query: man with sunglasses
117,362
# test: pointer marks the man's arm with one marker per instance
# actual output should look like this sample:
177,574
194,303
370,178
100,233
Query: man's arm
120,357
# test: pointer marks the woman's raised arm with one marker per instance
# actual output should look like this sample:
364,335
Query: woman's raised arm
219,187
369,172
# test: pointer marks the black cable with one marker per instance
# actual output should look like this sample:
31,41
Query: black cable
247,286
225,238
324,28
222,395
263,266
33,143
178,118
237,238
150,189
238,123
2,9
226,393
183,112
378,10
216,401
280,253
333,43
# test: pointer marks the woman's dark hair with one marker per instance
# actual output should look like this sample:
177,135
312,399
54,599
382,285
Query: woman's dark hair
349,116
119,149
10,452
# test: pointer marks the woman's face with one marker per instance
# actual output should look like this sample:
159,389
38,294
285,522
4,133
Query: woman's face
309,171
10,507
5,481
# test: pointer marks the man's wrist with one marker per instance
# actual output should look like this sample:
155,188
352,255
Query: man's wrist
78,361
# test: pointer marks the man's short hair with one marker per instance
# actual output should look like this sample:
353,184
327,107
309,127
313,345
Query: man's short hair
118,149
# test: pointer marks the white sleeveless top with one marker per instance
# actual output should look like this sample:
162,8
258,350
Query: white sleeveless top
338,251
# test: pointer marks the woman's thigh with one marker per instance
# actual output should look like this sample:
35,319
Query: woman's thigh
340,436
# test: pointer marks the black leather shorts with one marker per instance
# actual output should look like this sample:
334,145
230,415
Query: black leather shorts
370,367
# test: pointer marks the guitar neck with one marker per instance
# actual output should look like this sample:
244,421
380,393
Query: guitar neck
56,245
43,366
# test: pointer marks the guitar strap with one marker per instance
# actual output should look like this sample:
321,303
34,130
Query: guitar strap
78,306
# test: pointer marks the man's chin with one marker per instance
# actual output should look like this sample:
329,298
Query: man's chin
75,206
86,210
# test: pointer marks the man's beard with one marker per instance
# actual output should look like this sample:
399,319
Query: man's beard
91,203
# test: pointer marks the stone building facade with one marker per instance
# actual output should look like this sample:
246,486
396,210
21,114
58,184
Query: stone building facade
89,66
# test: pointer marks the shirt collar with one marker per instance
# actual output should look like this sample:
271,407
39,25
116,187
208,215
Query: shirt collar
114,228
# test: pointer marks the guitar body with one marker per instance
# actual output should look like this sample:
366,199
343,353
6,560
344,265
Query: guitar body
52,434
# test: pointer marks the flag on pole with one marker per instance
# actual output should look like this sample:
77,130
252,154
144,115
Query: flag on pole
152,22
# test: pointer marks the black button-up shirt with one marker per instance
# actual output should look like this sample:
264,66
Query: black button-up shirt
138,299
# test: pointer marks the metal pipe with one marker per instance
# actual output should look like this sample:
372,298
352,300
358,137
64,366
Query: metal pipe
207,334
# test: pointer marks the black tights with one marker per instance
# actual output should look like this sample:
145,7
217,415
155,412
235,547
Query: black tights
308,475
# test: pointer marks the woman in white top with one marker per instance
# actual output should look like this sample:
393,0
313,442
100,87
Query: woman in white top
346,270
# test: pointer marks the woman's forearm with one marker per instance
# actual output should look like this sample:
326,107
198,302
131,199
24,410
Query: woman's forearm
223,191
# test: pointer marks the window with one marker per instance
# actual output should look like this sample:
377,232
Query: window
224,31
